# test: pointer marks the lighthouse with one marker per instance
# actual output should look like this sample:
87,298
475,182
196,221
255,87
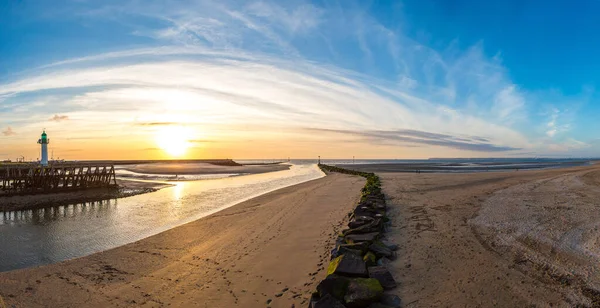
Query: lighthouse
44,142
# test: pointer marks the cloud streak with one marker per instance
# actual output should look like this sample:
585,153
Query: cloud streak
404,137
8,132
250,93
59,118
280,70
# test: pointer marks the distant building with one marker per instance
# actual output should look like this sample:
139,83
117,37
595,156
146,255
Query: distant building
44,141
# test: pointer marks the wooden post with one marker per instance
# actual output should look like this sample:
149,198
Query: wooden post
29,179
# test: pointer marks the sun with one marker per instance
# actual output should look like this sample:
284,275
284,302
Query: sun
174,140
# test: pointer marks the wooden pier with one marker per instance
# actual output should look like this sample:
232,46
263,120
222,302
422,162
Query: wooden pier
22,179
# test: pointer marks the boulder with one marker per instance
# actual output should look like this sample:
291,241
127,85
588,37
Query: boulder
357,249
357,238
391,300
361,247
363,292
375,203
370,259
383,261
389,245
334,285
381,250
382,275
362,210
378,305
326,301
350,265
360,221
373,226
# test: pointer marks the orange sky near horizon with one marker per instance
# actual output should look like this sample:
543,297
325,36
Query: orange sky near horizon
147,145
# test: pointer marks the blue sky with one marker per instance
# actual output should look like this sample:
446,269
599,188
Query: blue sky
389,79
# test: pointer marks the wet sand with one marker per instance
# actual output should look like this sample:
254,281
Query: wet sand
202,168
498,239
273,247
126,188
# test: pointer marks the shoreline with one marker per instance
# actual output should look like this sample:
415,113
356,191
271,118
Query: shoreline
125,189
129,186
462,169
200,168
271,247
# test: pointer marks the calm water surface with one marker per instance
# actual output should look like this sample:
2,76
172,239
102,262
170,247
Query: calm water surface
37,237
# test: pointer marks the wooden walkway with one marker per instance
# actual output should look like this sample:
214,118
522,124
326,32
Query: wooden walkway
35,179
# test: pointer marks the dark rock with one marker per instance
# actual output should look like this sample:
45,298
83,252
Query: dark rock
389,245
373,226
357,223
366,218
360,221
362,292
384,276
342,250
381,250
314,298
391,300
348,265
378,305
375,203
334,285
370,259
334,253
357,238
362,210
363,247
357,249
327,301
383,261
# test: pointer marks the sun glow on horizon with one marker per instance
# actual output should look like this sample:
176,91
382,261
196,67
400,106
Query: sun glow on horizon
174,140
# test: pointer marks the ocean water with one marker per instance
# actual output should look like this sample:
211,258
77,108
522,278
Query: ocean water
49,235
453,165
448,163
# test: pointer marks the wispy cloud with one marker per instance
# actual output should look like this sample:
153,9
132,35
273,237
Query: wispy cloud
158,123
201,141
8,132
271,68
552,129
411,137
59,118
291,94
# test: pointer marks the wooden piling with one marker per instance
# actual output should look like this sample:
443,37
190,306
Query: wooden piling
34,179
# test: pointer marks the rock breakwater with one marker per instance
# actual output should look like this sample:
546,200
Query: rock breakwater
357,276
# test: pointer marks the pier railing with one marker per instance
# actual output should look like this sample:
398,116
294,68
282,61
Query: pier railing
33,179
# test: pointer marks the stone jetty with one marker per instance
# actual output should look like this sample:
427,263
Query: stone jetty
357,276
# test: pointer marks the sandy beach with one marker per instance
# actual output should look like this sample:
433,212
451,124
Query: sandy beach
202,168
498,239
273,247
490,239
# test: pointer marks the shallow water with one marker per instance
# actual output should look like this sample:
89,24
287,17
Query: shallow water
44,236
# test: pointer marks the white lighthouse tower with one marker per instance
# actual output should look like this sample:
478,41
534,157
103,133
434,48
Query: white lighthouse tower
44,142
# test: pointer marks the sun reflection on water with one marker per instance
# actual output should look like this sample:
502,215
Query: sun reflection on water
178,190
